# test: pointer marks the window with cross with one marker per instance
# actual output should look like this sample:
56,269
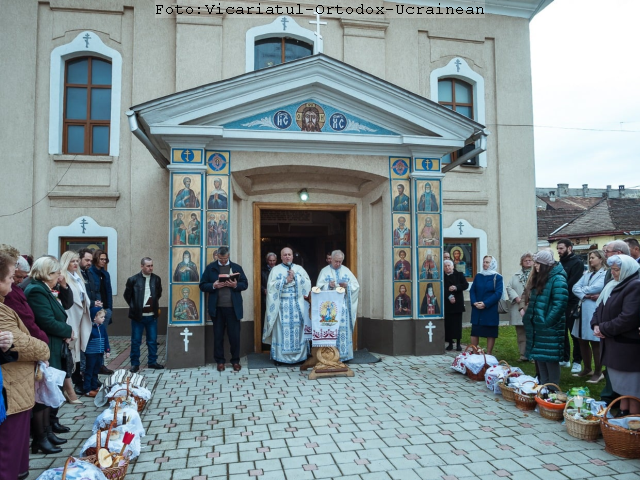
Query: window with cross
87,106
457,95
276,50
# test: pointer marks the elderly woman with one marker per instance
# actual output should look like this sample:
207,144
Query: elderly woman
588,289
485,293
615,322
546,294
51,317
18,382
515,288
78,316
454,285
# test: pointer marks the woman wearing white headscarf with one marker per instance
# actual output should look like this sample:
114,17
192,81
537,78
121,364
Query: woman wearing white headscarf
485,293
616,322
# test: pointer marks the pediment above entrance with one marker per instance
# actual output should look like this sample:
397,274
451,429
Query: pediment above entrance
313,104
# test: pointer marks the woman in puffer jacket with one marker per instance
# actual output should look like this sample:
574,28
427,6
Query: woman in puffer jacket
546,294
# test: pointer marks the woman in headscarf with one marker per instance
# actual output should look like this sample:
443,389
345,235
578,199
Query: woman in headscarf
485,293
78,316
616,322
588,289
515,288
454,285
546,294
18,392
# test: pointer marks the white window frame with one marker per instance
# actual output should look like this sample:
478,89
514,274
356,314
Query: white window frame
88,228
279,29
78,47
459,69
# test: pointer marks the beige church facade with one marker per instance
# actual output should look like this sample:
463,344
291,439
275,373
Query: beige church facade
155,133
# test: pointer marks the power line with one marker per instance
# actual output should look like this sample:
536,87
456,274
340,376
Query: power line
562,128
45,196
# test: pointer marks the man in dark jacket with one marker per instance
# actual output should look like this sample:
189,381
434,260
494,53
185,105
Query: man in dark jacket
86,260
574,268
142,293
225,306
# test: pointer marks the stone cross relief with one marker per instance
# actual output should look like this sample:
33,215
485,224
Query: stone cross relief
458,63
284,23
186,333
460,225
430,326
86,39
84,224
317,23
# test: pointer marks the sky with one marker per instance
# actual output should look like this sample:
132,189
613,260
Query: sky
586,75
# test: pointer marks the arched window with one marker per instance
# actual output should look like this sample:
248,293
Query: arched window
87,106
457,95
276,50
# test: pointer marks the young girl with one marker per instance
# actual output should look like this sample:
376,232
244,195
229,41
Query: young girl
97,348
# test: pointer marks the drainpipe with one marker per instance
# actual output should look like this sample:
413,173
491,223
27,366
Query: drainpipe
476,151
137,131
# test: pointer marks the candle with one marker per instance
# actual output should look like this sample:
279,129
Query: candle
577,401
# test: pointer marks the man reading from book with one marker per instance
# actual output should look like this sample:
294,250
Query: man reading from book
224,281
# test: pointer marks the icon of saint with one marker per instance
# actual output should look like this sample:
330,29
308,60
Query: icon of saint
186,198
428,201
186,270
218,197
186,308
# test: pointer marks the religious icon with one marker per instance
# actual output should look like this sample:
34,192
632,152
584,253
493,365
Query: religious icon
400,167
179,230
193,230
401,199
216,162
401,232
185,308
187,268
184,195
402,300
217,188
461,256
310,117
430,294
212,255
429,235
429,261
402,267
428,200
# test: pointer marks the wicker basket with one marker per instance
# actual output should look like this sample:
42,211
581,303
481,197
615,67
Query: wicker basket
620,441
582,429
550,411
478,377
140,402
525,401
508,393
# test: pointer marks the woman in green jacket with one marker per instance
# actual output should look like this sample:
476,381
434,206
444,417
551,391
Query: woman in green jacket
547,294
51,317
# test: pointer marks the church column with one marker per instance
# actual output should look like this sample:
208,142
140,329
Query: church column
185,332
428,294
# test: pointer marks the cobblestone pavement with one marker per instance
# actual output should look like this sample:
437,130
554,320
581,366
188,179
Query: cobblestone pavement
403,418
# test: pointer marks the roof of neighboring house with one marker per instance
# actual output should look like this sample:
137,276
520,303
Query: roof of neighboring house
612,216
551,220
570,203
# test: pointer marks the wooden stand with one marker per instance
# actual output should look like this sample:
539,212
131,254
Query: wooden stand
326,363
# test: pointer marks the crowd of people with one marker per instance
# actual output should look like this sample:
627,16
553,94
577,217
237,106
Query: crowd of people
563,315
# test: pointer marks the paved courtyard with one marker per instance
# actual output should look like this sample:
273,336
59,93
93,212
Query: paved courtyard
402,418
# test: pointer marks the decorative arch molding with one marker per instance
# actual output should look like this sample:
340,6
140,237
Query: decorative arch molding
86,43
460,69
86,226
461,228
283,26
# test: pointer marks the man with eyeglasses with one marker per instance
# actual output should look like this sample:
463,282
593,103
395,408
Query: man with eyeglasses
101,284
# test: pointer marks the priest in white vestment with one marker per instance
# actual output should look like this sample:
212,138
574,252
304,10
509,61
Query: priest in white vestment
337,275
287,286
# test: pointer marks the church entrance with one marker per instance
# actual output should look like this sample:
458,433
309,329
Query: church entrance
311,231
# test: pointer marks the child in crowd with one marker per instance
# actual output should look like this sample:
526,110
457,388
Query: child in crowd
97,348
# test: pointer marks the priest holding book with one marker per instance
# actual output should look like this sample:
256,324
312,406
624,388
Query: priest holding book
337,275
287,287
224,281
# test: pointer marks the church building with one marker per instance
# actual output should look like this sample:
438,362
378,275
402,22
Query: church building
393,132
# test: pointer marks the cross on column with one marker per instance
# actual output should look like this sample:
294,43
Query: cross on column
186,333
430,326
317,23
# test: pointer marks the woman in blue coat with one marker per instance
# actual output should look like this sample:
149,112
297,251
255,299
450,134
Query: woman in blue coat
485,293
